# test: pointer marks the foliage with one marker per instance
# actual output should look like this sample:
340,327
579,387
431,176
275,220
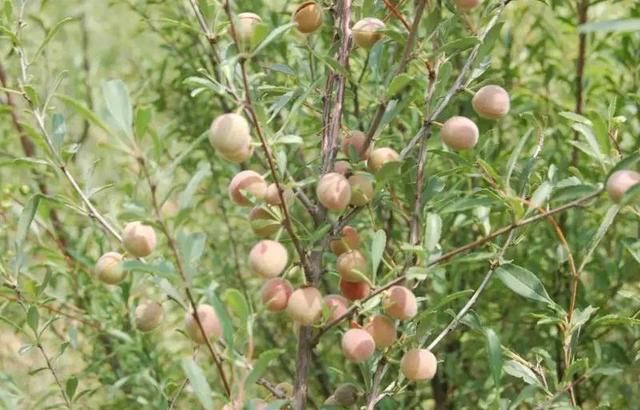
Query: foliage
526,273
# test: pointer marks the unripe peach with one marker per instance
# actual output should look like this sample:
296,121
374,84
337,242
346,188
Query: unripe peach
229,132
491,101
333,191
209,321
305,305
337,306
354,290
263,223
342,167
352,266
383,331
245,25
241,154
367,32
467,4
381,156
400,303
169,209
308,17
620,181
459,133
419,364
149,314
268,258
361,188
272,197
275,294
346,394
109,268
349,239
248,181
355,139
139,240
357,345
286,388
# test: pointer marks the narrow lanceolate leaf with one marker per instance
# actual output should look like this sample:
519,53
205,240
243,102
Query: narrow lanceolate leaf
261,365
225,320
602,230
611,26
26,217
118,103
33,318
541,195
494,353
432,232
58,131
523,282
517,369
198,382
377,249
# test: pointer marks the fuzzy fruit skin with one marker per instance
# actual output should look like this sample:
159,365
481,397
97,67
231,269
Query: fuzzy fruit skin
229,132
491,101
459,133
305,305
350,262
400,303
333,191
275,294
356,139
467,4
337,305
268,258
619,182
240,155
208,319
249,181
149,315
349,239
354,290
357,345
308,17
342,167
272,198
381,156
245,25
346,394
109,268
419,364
361,188
169,209
139,240
383,331
263,223
367,32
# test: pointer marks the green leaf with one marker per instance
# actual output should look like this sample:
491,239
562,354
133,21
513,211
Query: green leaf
459,45
33,318
118,103
432,232
398,83
523,282
261,365
587,132
187,195
237,303
198,382
378,244
608,219
141,123
70,387
541,195
620,25
494,353
575,117
225,320
191,248
84,112
50,34
517,369
160,268
272,36
26,217
276,404
58,131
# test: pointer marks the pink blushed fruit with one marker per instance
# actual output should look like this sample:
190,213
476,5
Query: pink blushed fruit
491,101
305,305
248,181
138,239
263,223
367,32
229,132
355,139
268,258
308,17
352,266
400,303
419,364
337,306
381,156
361,188
109,268
467,4
459,133
210,324
275,294
620,182
333,191
357,345
148,315
383,331
354,290
348,240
